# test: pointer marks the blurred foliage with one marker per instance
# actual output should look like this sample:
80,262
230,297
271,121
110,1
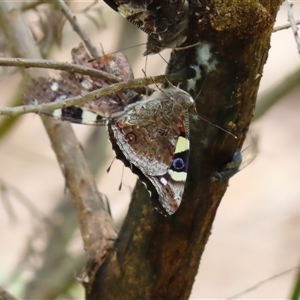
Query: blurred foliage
296,289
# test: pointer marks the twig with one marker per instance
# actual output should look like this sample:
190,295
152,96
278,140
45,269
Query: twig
33,4
78,100
254,287
34,211
285,26
275,93
293,23
51,64
90,6
73,21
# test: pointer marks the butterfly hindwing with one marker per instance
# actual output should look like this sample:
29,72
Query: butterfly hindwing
152,138
171,185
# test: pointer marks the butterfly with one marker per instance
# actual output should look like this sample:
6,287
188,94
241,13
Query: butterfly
151,137
165,21
149,134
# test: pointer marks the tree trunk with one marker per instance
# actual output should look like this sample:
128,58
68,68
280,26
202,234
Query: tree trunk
157,257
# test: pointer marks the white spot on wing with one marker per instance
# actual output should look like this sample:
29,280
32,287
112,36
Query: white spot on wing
88,116
163,181
86,84
54,86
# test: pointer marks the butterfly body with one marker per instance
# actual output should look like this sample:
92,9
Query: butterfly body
164,21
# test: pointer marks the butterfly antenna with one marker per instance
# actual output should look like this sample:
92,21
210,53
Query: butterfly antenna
163,58
204,81
209,122
187,47
168,96
217,126
120,50
126,48
146,61
102,49
120,186
170,83
108,169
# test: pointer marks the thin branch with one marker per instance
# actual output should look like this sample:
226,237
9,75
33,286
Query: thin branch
256,286
285,26
293,23
79,100
51,64
6,189
275,93
33,4
73,21
90,6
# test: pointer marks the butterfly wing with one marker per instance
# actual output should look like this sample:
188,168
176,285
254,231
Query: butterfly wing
46,90
146,137
170,186
163,20
152,138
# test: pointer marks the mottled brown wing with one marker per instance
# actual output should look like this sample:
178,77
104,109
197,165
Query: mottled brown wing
45,90
152,138
147,134
164,21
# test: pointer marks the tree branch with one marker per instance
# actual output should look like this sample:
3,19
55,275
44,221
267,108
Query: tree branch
76,27
52,64
78,100
292,20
